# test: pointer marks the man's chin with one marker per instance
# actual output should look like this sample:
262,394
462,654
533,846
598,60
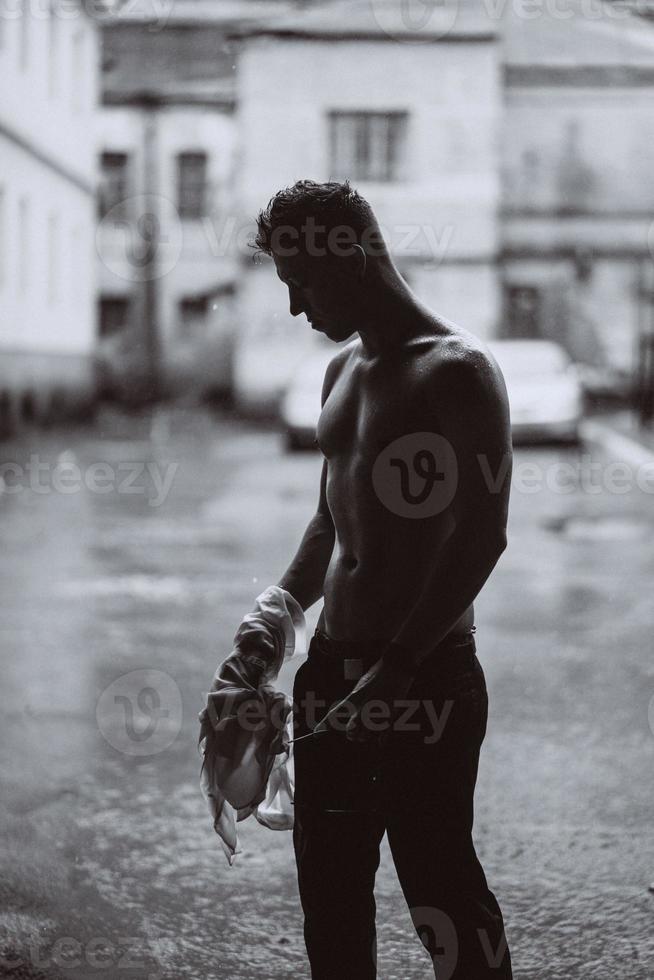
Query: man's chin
336,333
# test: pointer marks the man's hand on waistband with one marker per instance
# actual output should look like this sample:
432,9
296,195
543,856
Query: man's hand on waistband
370,709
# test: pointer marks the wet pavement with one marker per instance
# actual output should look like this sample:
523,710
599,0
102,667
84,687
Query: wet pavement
130,553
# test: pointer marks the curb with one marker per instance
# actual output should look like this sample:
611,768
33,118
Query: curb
615,444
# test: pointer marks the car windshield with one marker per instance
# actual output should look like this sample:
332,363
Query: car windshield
529,359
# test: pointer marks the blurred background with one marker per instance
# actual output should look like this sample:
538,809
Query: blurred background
154,394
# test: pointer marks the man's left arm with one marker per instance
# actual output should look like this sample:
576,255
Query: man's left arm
470,411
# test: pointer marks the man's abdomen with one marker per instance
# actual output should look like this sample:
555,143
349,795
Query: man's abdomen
383,559
373,599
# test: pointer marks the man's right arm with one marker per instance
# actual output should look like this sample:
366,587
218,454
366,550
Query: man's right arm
305,576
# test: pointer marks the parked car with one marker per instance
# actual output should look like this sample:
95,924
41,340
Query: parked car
544,387
300,407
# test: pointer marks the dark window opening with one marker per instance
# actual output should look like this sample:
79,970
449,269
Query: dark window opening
193,314
113,316
6,415
28,407
367,145
114,184
192,185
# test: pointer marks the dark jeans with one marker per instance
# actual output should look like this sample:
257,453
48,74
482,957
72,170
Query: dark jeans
418,786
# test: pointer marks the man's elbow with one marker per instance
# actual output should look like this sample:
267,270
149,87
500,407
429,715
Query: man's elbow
486,537
498,543
494,543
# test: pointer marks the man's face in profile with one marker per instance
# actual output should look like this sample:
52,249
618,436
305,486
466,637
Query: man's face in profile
323,289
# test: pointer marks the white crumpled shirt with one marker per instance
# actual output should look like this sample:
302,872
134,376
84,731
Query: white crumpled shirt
248,768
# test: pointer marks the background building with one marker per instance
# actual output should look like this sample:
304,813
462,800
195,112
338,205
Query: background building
48,81
414,127
510,159
577,145
166,145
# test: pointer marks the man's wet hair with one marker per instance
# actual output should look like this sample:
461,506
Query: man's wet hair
327,217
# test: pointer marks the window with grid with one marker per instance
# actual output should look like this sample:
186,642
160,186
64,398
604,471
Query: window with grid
367,145
522,310
191,184
114,183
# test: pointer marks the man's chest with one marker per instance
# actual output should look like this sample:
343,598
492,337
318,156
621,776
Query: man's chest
363,413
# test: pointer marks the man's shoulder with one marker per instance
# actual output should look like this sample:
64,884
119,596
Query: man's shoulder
339,360
464,388
343,354
456,357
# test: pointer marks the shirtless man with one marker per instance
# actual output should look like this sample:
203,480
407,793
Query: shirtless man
410,522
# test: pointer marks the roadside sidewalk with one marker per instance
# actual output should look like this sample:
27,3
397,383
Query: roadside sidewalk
620,436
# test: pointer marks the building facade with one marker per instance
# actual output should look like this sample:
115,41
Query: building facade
508,152
48,80
166,147
577,258
412,125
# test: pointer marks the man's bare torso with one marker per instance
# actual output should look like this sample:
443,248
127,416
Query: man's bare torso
381,559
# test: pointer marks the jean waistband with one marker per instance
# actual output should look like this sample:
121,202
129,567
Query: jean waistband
453,646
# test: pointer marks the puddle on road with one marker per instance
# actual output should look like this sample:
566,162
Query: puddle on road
599,528
149,588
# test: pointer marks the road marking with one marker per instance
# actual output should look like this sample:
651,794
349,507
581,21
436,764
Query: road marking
615,444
